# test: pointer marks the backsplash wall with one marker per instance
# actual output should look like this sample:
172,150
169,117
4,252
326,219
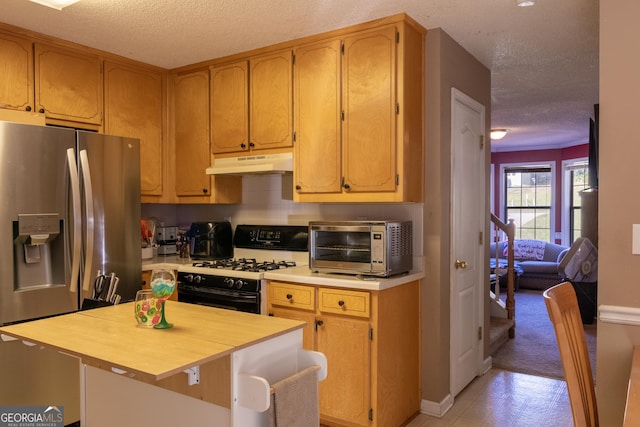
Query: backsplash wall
265,202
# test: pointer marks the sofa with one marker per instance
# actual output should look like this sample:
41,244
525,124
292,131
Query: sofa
536,262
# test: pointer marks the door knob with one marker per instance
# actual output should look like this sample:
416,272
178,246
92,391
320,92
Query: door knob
461,264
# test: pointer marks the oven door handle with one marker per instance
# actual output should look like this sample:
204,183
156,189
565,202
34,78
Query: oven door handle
232,295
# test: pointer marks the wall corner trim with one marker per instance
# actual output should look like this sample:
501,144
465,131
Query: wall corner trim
619,314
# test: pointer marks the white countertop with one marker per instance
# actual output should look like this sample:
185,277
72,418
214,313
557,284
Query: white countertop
305,275
168,262
302,274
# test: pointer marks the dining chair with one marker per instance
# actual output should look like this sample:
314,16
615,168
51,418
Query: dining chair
564,313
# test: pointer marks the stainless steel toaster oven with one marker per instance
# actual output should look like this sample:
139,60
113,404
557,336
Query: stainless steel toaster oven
377,248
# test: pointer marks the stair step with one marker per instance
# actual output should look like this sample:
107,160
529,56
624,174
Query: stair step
499,333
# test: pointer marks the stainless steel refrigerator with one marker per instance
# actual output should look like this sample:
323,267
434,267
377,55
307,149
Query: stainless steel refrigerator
70,208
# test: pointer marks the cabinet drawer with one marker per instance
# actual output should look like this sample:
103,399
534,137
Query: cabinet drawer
288,295
340,301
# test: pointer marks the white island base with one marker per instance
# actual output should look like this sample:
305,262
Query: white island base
213,369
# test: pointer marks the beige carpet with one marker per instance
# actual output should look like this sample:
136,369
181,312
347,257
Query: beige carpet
534,349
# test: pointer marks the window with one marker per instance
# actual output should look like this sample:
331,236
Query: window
577,176
528,197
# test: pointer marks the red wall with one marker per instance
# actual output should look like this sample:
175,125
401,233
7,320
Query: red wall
543,156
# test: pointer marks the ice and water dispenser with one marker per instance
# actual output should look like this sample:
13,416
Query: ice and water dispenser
38,251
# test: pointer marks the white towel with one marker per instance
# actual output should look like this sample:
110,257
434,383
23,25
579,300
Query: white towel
294,402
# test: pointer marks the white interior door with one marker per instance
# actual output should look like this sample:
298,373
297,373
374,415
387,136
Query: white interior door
467,226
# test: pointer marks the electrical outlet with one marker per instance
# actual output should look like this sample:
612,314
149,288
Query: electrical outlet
635,245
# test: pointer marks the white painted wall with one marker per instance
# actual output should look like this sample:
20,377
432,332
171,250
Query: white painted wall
264,203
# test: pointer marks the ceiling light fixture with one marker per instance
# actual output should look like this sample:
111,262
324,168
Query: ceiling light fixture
55,4
525,3
497,134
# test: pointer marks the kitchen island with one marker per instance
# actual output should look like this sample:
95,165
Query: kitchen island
199,373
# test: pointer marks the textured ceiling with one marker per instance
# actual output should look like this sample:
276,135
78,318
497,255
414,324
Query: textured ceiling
543,59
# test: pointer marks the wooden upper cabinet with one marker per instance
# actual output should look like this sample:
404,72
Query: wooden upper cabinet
68,84
192,143
192,134
317,151
230,107
16,69
379,152
270,101
134,108
251,103
369,101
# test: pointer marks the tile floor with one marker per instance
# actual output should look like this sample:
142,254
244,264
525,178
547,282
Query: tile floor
506,399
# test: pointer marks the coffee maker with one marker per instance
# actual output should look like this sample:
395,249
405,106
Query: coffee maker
167,238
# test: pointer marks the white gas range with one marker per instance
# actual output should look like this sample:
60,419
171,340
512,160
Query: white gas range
238,283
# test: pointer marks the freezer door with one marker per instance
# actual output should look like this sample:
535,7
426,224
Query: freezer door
110,175
35,259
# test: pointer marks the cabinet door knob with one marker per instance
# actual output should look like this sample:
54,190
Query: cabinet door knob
41,110
346,186
298,187
28,108
341,303
251,144
205,191
243,145
319,323
289,296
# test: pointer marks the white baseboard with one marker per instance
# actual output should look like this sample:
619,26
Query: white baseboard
436,409
486,365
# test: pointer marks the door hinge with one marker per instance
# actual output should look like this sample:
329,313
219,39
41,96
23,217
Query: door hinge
397,179
370,334
397,108
397,37
293,59
481,142
342,48
294,136
480,235
479,333
342,115
370,414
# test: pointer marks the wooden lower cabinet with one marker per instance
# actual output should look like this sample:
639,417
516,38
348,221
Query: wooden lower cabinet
371,341
345,395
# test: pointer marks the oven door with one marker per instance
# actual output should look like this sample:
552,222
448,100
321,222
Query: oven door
229,299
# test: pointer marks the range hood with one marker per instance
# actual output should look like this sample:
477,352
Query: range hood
254,164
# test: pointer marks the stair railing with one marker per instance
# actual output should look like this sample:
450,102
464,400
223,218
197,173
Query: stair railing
508,230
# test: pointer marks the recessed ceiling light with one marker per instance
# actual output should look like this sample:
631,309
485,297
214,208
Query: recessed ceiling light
497,134
525,3
55,4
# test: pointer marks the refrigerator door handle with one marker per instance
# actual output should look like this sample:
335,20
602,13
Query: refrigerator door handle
89,218
77,219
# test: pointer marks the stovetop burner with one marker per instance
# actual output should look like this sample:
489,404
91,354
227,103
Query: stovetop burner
244,264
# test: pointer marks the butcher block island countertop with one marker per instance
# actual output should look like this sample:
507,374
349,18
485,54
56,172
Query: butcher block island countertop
110,335
130,364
